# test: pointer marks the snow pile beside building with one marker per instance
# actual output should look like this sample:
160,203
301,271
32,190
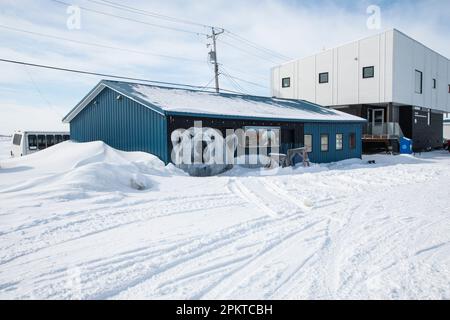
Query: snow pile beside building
84,167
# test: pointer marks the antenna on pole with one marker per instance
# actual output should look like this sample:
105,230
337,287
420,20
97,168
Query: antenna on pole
213,55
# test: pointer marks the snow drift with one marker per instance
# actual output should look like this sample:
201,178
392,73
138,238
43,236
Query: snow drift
90,166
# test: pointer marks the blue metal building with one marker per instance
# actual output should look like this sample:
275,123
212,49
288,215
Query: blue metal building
139,117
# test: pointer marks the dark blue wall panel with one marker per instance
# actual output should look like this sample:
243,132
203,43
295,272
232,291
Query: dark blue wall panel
331,129
123,124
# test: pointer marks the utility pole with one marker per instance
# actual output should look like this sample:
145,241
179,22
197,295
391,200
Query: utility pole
213,55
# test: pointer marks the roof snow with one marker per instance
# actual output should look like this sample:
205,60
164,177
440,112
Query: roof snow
174,101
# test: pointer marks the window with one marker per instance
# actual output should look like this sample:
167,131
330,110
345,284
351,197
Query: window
286,82
308,142
368,72
17,139
323,77
66,137
58,138
449,88
434,83
419,78
32,142
339,141
41,142
50,140
352,141
323,142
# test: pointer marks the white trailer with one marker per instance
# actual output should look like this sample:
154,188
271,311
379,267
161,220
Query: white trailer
27,142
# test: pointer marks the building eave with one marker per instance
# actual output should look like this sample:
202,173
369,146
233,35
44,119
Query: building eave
95,92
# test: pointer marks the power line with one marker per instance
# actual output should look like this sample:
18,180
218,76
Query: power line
229,33
98,44
209,82
255,76
248,53
41,94
256,46
234,84
133,20
117,48
116,5
243,80
108,75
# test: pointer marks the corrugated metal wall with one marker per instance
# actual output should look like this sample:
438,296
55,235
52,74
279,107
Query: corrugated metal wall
123,124
332,155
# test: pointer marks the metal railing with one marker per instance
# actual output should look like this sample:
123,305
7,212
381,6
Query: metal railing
387,130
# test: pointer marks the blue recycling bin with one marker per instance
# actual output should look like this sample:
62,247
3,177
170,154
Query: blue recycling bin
405,146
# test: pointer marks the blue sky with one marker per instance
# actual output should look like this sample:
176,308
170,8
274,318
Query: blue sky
37,99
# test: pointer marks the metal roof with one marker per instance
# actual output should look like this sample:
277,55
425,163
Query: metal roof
175,101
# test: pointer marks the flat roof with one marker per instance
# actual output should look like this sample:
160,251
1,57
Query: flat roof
360,39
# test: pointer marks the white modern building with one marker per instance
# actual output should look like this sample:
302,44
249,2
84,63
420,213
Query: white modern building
389,79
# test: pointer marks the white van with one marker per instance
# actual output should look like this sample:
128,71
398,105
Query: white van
27,142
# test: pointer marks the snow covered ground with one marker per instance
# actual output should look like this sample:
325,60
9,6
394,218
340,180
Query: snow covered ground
84,221
5,147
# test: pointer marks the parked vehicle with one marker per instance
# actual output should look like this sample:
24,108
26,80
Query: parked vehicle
27,142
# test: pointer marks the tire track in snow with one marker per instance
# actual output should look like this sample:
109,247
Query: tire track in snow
218,244
57,234
242,191
275,248
283,194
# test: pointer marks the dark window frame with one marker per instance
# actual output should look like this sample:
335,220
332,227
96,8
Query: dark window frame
312,142
32,142
328,142
58,138
342,141
288,85
50,140
352,141
41,142
17,139
368,76
323,74
421,82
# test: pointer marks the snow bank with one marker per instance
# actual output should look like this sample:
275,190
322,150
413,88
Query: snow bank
5,147
90,166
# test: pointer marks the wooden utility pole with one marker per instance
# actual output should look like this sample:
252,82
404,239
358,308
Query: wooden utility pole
213,55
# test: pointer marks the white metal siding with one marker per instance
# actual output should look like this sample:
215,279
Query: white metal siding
344,66
410,55
307,79
324,91
395,58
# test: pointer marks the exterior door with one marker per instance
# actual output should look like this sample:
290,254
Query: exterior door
376,121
